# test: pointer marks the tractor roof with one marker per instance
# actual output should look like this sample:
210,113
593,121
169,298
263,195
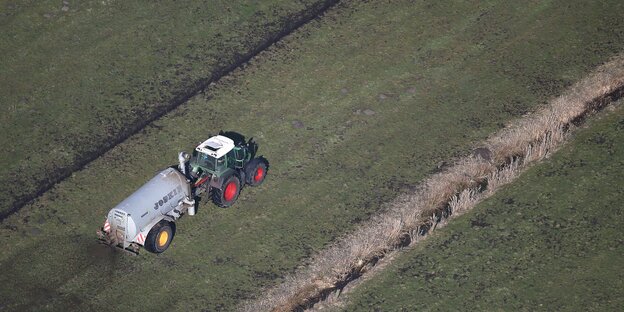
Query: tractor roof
216,146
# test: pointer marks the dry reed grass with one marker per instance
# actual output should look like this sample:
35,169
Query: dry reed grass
445,195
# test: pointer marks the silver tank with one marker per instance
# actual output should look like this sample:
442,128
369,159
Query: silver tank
149,204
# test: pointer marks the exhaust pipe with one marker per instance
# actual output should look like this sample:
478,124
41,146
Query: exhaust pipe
183,158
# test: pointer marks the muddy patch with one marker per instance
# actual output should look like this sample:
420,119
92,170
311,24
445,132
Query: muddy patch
41,183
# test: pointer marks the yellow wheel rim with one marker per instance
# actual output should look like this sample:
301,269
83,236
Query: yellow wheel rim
163,237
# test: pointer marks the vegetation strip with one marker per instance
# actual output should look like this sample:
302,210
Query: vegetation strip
290,24
552,238
447,194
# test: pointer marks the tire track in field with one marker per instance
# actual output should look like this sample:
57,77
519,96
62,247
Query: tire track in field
291,24
448,194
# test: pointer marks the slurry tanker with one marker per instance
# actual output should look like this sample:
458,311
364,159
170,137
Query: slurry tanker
217,167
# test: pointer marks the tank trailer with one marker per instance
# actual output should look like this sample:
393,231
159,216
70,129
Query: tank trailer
217,167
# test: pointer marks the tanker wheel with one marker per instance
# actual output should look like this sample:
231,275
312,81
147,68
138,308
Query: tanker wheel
256,170
159,237
227,195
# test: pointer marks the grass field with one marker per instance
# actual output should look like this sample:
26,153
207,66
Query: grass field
77,78
551,241
350,110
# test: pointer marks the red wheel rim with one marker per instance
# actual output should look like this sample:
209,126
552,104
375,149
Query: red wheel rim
259,174
230,191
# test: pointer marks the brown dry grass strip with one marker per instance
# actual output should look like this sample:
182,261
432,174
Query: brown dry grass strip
445,195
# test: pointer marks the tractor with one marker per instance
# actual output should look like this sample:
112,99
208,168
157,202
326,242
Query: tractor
218,167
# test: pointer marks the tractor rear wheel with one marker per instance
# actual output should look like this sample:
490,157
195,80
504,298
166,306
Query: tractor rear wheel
228,193
256,170
159,237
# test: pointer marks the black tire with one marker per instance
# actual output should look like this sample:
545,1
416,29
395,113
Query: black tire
227,195
256,171
160,237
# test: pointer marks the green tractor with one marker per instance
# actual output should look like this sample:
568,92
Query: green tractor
220,167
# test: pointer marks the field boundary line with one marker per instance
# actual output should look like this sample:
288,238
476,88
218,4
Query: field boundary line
291,24
411,217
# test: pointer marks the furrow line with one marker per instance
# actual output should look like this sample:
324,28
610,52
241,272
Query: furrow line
291,24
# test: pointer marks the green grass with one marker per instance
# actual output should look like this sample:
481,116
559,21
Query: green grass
450,74
551,241
73,82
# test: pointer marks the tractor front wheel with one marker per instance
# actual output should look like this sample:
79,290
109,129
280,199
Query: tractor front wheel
159,237
256,170
228,193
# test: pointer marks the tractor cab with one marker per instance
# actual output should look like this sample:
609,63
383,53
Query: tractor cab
218,155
